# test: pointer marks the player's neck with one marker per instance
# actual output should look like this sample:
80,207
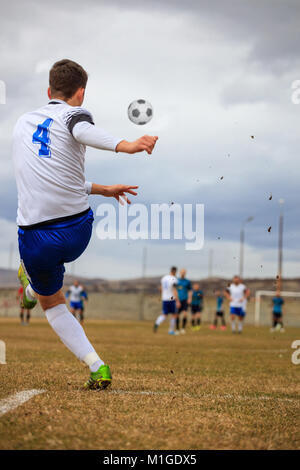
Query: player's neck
73,101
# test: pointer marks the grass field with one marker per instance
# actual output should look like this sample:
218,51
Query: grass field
204,390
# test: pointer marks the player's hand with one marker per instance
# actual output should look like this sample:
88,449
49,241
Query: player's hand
118,191
146,143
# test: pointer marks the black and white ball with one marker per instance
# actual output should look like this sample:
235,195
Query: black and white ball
140,112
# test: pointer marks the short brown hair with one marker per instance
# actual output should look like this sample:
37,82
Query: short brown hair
66,77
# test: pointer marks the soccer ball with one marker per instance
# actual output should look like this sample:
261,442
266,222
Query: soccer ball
140,112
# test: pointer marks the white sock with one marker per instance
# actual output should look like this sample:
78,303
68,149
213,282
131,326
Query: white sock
30,294
240,327
160,319
172,324
233,325
73,336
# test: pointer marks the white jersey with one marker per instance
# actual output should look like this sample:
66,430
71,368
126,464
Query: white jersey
167,284
49,162
244,306
75,293
237,293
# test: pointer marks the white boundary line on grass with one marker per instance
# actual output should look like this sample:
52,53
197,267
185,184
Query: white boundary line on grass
12,402
205,395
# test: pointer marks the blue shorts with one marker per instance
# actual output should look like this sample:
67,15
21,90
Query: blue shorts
237,311
168,306
76,305
45,249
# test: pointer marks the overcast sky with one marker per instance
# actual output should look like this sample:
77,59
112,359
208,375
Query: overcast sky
216,73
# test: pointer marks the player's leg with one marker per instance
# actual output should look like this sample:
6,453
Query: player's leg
161,318
199,318
184,322
214,325
223,327
72,309
193,320
241,317
280,322
22,314
171,308
173,322
233,319
27,316
44,252
183,310
81,316
74,338
177,328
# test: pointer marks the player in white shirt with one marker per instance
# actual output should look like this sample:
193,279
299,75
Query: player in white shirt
237,294
76,293
54,217
169,299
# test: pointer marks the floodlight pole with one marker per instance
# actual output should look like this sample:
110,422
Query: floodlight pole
280,246
242,243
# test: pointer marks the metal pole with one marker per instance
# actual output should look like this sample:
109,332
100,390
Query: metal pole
280,246
210,263
242,240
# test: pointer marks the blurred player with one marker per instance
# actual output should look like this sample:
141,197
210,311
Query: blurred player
20,299
54,217
277,303
219,312
184,289
169,299
196,306
76,293
236,293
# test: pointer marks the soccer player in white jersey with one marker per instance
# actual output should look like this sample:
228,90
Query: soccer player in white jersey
170,302
54,217
76,293
237,293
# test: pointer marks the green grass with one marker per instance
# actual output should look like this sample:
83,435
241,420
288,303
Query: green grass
204,390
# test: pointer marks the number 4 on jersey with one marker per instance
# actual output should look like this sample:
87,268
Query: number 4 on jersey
42,137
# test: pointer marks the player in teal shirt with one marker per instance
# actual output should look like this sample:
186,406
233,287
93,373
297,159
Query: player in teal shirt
184,289
196,306
219,312
277,302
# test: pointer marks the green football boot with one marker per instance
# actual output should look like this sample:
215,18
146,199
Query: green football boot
28,304
99,380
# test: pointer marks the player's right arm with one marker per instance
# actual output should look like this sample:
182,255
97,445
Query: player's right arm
175,295
118,191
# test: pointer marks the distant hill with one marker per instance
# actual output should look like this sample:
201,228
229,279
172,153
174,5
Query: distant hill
150,285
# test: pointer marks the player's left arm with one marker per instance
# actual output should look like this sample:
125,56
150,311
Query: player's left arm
86,133
118,191
84,296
